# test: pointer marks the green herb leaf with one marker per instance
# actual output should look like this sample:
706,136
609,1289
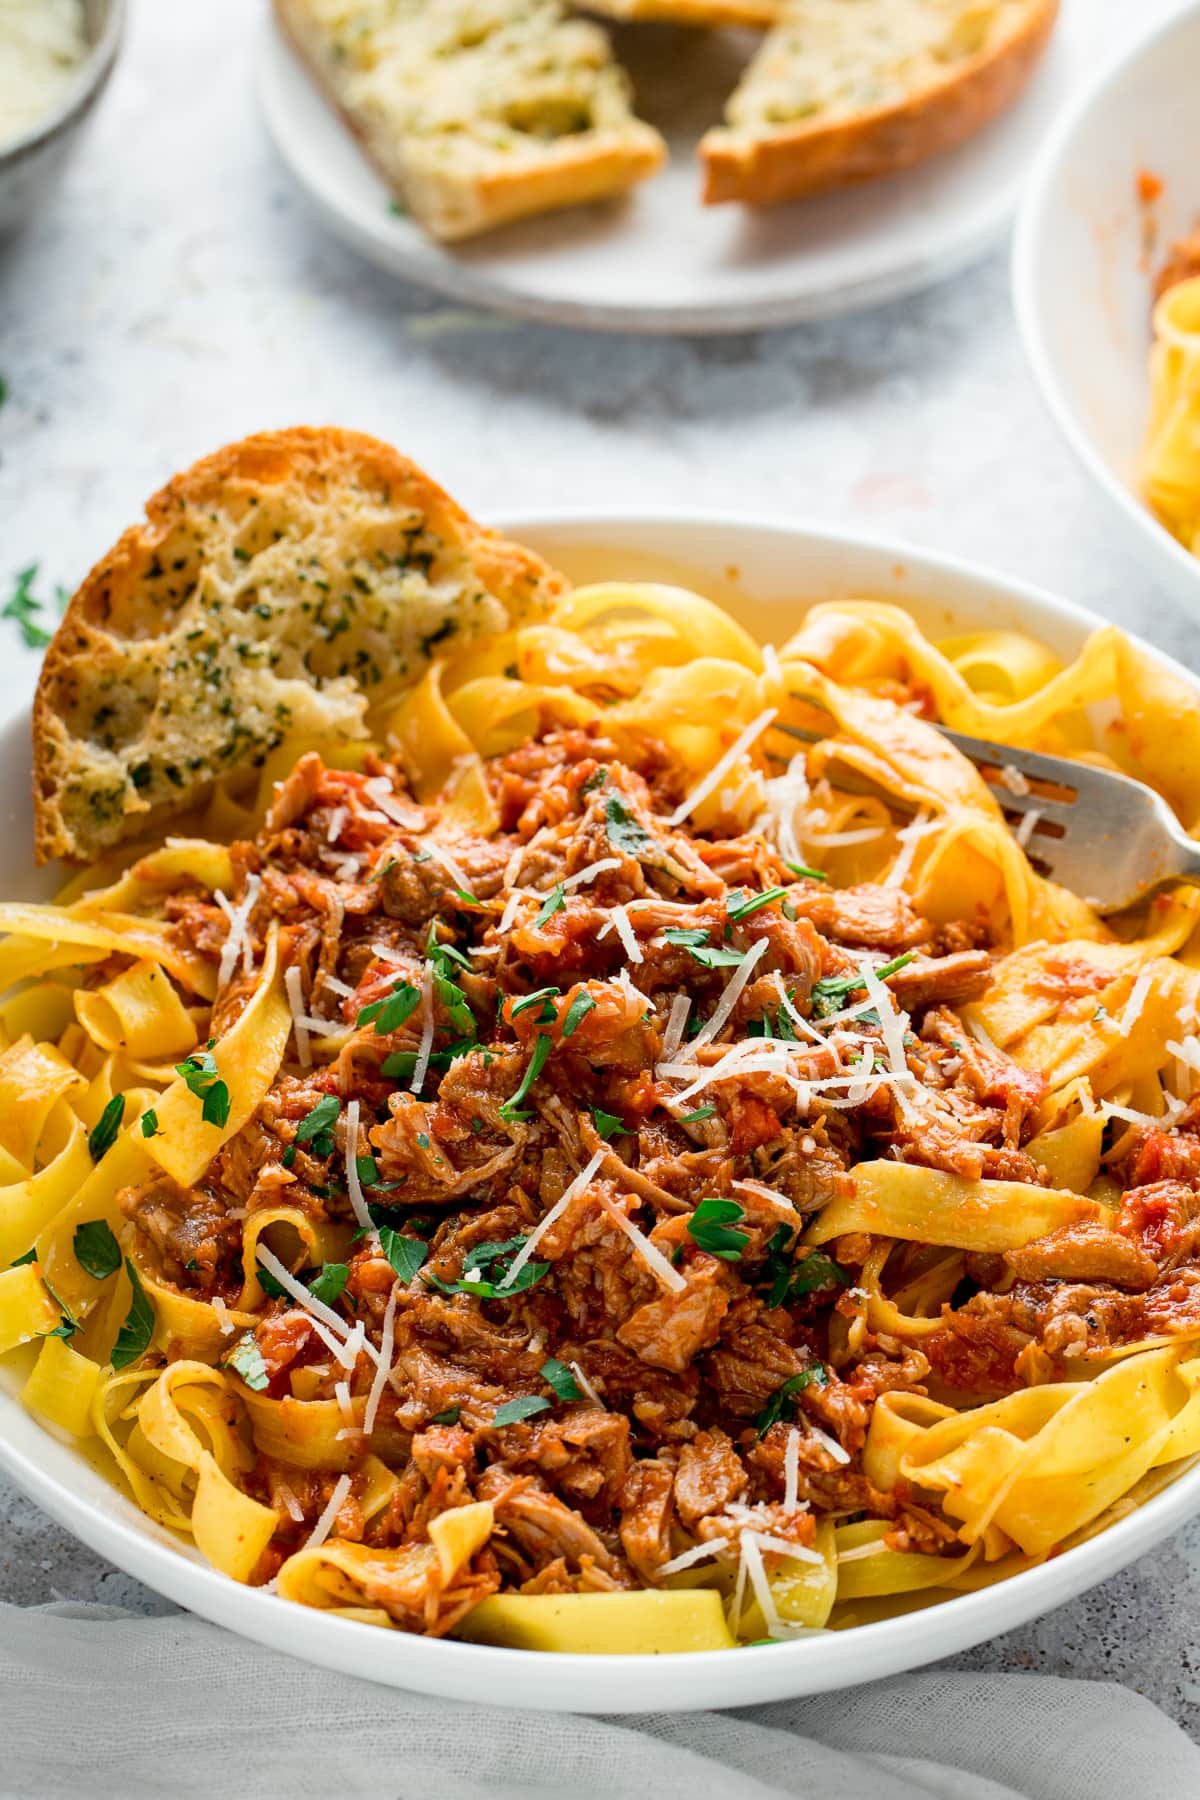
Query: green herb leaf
103,1134
329,1283
133,1339
541,997
711,1228
814,1271
690,936
694,1118
367,1170
96,1249
782,1401
149,1123
320,1120
577,1012
595,780
29,1256
542,1047
513,1411
554,902
716,959
466,898
24,606
607,1124
488,1264
449,1417
558,1376
391,1012
202,1078
807,874
744,908
827,995
406,1254
270,1285
247,1359
625,831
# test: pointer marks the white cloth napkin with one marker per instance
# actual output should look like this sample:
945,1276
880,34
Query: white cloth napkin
96,1702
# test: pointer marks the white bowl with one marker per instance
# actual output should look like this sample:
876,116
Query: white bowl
782,568
1081,284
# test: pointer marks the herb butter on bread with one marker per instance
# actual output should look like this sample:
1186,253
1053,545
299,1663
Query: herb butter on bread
477,112
844,91
275,590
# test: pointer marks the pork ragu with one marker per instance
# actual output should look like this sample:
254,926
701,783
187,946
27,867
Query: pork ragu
534,1092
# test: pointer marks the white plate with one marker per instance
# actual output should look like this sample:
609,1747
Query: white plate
660,261
783,567
1081,281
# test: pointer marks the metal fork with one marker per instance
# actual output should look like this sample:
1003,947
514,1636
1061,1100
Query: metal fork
1108,838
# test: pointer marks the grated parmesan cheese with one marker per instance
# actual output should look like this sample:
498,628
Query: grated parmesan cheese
829,1443
731,995
586,1387
556,1211
681,1005
791,1470
650,1254
425,1048
295,999
720,769
358,1199
223,1319
909,838
237,942
836,840
453,869
752,1562
337,823
697,1553
590,873
1027,827
1135,1003
382,1372
619,920
333,1507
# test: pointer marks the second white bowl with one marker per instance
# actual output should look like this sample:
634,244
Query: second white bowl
1082,276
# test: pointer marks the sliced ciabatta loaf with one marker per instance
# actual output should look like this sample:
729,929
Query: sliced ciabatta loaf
477,112
693,12
844,91
276,589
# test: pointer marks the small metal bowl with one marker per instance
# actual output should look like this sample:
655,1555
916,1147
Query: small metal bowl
30,166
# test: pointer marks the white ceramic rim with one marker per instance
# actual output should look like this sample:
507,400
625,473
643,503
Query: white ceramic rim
1032,220
644,1683
432,266
85,85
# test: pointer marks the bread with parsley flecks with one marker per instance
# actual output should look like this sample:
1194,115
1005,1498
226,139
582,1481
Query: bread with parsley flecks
845,91
693,12
477,112
276,589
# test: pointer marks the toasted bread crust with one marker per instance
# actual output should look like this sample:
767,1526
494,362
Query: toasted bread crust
572,173
116,635
791,163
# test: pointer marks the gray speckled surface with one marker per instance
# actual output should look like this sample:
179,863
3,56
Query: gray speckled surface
178,294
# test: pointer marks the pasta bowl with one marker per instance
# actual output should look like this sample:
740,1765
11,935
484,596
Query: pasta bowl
1086,249
766,573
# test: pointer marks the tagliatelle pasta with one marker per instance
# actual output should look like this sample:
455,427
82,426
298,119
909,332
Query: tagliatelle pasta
588,1170
1170,467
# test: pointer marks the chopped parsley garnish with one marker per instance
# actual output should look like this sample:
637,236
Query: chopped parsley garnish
202,1078
391,1012
489,1264
449,1417
576,1013
625,831
24,606
133,1339
712,1228
690,936
513,1411
803,870
29,1256
716,959
701,1112
558,1376
743,908
442,955
596,779
329,1283
554,902
96,1249
466,898
103,1134
511,1110
367,1170
401,1064
790,1278
541,997
247,1359
782,1401
827,995
608,1124
316,1127
406,1255
149,1123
